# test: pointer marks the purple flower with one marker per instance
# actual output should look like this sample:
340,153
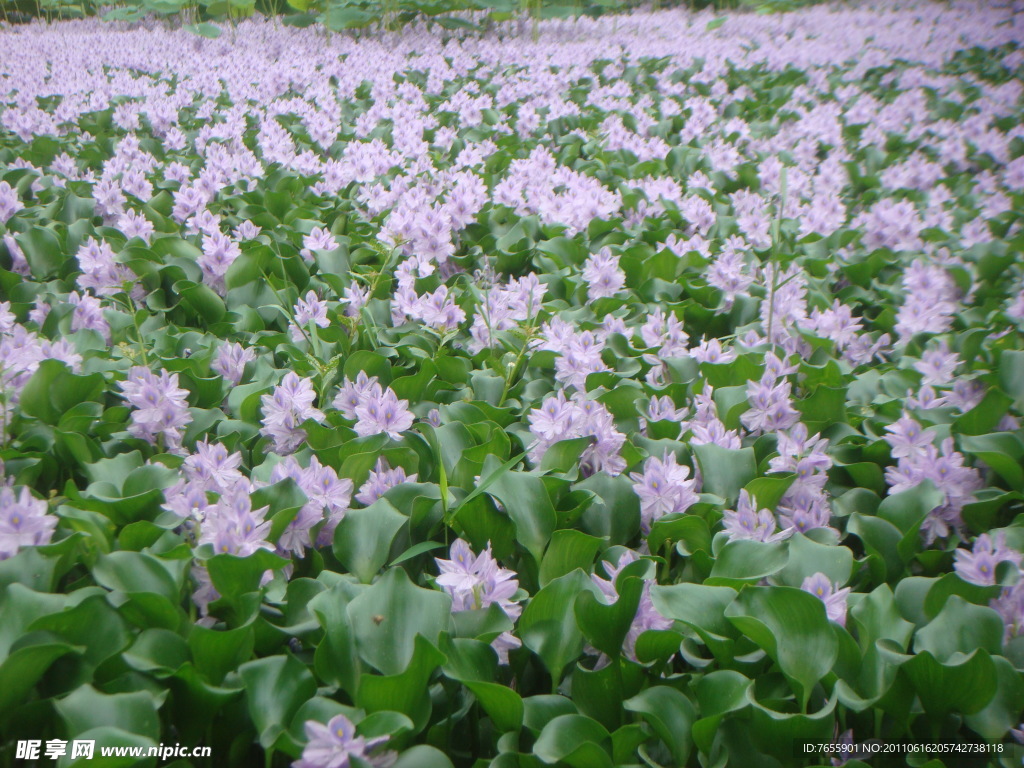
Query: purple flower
308,310
771,409
908,439
748,522
383,413
558,419
335,744
381,480
937,364
99,270
833,597
213,467
1010,605
10,204
353,394
979,565
285,410
319,239
161,408
476,582
602,275
663,489
231,360
219,253
88,315
24,521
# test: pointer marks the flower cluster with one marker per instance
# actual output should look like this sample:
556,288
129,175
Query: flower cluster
476,582
286,409
561,419
374,408
161,410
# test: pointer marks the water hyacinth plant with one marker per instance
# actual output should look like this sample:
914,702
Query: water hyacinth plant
644,391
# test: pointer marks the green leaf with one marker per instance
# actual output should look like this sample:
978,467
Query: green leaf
807,557
1003,451
205,29
702,608
86,708
387,617
792,627
362,540
422,756
275,688
527,502
568,551
671,715
750,561
564,455
54,390
133,572
718,693
405,692
548,624
907,509
689,530
202,300
42,250
960,628
473,664
20,671
234,576
336,659
1002,712
725,471
606,626
575,740
964,684
217,652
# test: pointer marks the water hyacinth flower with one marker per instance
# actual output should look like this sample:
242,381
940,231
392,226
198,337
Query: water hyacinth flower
602,274
311,309
24,521
380,480
382,411
319,239
979,565
161,410
561,419
831,595
1010,606
231,360
663,488
476,582
748,522
286,409
335,744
